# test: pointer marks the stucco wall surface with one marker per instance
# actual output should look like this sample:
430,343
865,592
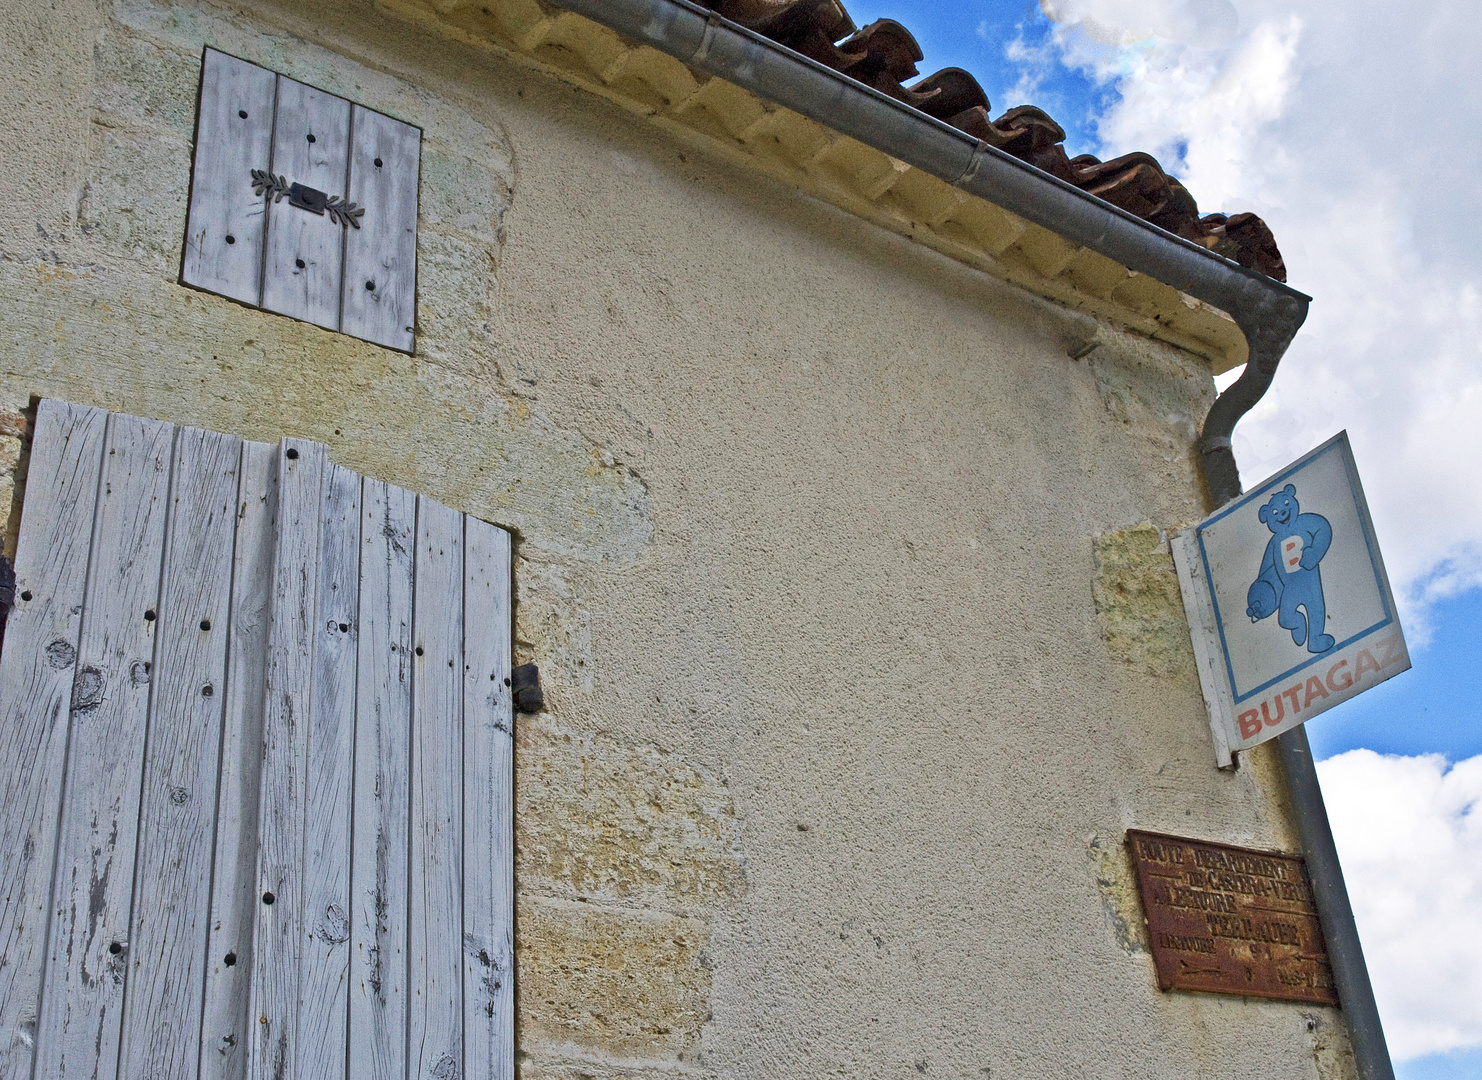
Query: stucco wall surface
846,582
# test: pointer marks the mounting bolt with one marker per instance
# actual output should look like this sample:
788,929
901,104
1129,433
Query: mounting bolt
525,683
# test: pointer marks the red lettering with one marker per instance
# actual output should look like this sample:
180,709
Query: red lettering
1390,644
1292,693
1365,663
1280,711
1339,682
1314,688
1250,724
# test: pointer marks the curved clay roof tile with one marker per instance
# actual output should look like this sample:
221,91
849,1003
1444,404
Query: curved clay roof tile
957,92
891,48
884,54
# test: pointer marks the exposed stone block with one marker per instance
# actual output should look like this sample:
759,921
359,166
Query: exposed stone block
596,818
462,194
133,205
1138,599
634,983
1117,882
589,1070
1330,1046
146,83
454,280
12,429
13,423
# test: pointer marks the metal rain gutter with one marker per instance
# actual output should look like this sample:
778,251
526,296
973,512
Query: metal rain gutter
1268,313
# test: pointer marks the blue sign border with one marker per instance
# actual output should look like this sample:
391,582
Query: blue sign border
1337,443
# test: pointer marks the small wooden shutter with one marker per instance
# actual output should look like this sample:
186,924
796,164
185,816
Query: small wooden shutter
358,276
255,730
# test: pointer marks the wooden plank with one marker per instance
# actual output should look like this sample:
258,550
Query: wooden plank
305,251
286,719
234,894
36,671
379,893
224,230
488,807
380,286
88,942
326,928
177,818
436,977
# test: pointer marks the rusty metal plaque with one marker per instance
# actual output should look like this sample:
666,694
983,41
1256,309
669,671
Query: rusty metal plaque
1231,920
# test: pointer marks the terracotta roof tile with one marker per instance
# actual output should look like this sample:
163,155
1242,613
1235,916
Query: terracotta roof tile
884,55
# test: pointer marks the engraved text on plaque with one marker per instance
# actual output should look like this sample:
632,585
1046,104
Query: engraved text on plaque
1231,920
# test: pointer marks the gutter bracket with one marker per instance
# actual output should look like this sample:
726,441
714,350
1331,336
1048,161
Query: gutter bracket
970,171
707,39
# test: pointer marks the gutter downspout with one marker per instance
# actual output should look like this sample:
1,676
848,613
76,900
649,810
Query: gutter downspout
1345,952
1268,313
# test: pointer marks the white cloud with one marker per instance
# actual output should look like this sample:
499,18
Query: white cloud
1354,127
1033,63
1216,106
1127,22
1409,832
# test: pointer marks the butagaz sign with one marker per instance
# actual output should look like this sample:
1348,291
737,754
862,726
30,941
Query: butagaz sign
1288,604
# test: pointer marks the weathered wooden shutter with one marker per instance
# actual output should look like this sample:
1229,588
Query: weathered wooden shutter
255,735
281,243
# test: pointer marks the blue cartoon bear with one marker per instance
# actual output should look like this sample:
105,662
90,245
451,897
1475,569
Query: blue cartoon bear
1289,578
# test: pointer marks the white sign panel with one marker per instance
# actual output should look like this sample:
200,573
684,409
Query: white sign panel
1288,603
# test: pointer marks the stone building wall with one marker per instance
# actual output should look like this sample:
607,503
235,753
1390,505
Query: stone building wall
848,584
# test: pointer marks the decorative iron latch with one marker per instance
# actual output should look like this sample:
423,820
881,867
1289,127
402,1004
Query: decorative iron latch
341,211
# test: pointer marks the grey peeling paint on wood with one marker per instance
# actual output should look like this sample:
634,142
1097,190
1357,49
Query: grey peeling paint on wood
234,135
36,677
88,951
264,251
380,287
383,710
435,912
488,807
234,900
171,896
286,719
307,689
305,251
325,933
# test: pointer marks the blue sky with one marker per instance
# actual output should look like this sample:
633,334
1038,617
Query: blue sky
977,36
1367,173
1431,709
